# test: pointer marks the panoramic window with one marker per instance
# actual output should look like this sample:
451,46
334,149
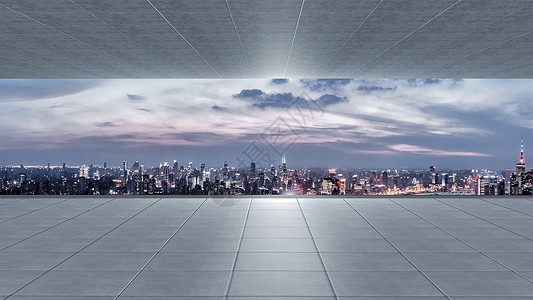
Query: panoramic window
265,136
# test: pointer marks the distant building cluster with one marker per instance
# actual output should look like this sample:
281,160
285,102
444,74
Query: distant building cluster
176,179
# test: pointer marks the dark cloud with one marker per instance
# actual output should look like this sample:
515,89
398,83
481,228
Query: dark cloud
218,108
145,110
253,93
328,99
196,137
284,100
106,124
135,98
431,81
280,81
36,89
373,88
324,84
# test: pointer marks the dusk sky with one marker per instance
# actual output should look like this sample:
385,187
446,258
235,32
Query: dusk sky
414,123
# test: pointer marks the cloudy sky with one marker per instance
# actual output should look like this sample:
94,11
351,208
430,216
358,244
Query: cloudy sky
452,123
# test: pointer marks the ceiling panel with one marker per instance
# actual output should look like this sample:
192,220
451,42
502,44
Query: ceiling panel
252,38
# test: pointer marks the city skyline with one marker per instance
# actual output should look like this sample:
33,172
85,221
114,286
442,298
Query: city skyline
371,123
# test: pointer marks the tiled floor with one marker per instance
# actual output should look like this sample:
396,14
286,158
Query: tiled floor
266,248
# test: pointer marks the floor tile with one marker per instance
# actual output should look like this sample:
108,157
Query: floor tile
277,245
105,261
335,231
107,244
517,261
430,245
276,232
354,245
31,261
179,283
59,298
278,283
279,262
501,244
11,281
493,284
384,261
192,261
38,244
382,284
186,244
454,261
75,283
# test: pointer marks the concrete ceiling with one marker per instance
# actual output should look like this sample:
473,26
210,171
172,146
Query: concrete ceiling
265,38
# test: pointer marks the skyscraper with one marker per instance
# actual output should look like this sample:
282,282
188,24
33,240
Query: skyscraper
521,164
433,175
225,171
252,169
520,178
165,170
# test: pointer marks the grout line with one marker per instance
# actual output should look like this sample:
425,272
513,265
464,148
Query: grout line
158,250
179,33
27,213
76,39
464,242
239,39
397,249
346,41
405,37
238,249
293,38
318,252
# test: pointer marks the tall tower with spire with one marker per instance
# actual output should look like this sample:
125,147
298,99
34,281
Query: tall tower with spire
521,164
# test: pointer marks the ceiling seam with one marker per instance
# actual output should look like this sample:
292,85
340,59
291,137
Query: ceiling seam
484,49
346,41
76,39
239,39
402,39
179,33
293,38
476,30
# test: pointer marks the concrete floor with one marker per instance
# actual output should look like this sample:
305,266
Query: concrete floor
270,248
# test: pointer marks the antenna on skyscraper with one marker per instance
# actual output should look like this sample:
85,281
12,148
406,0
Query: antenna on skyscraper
521,149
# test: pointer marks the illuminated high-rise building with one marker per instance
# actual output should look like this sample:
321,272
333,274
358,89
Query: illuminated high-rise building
225,171
165,170
520,179
136,167
433,175
521,164
125,169
84,171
